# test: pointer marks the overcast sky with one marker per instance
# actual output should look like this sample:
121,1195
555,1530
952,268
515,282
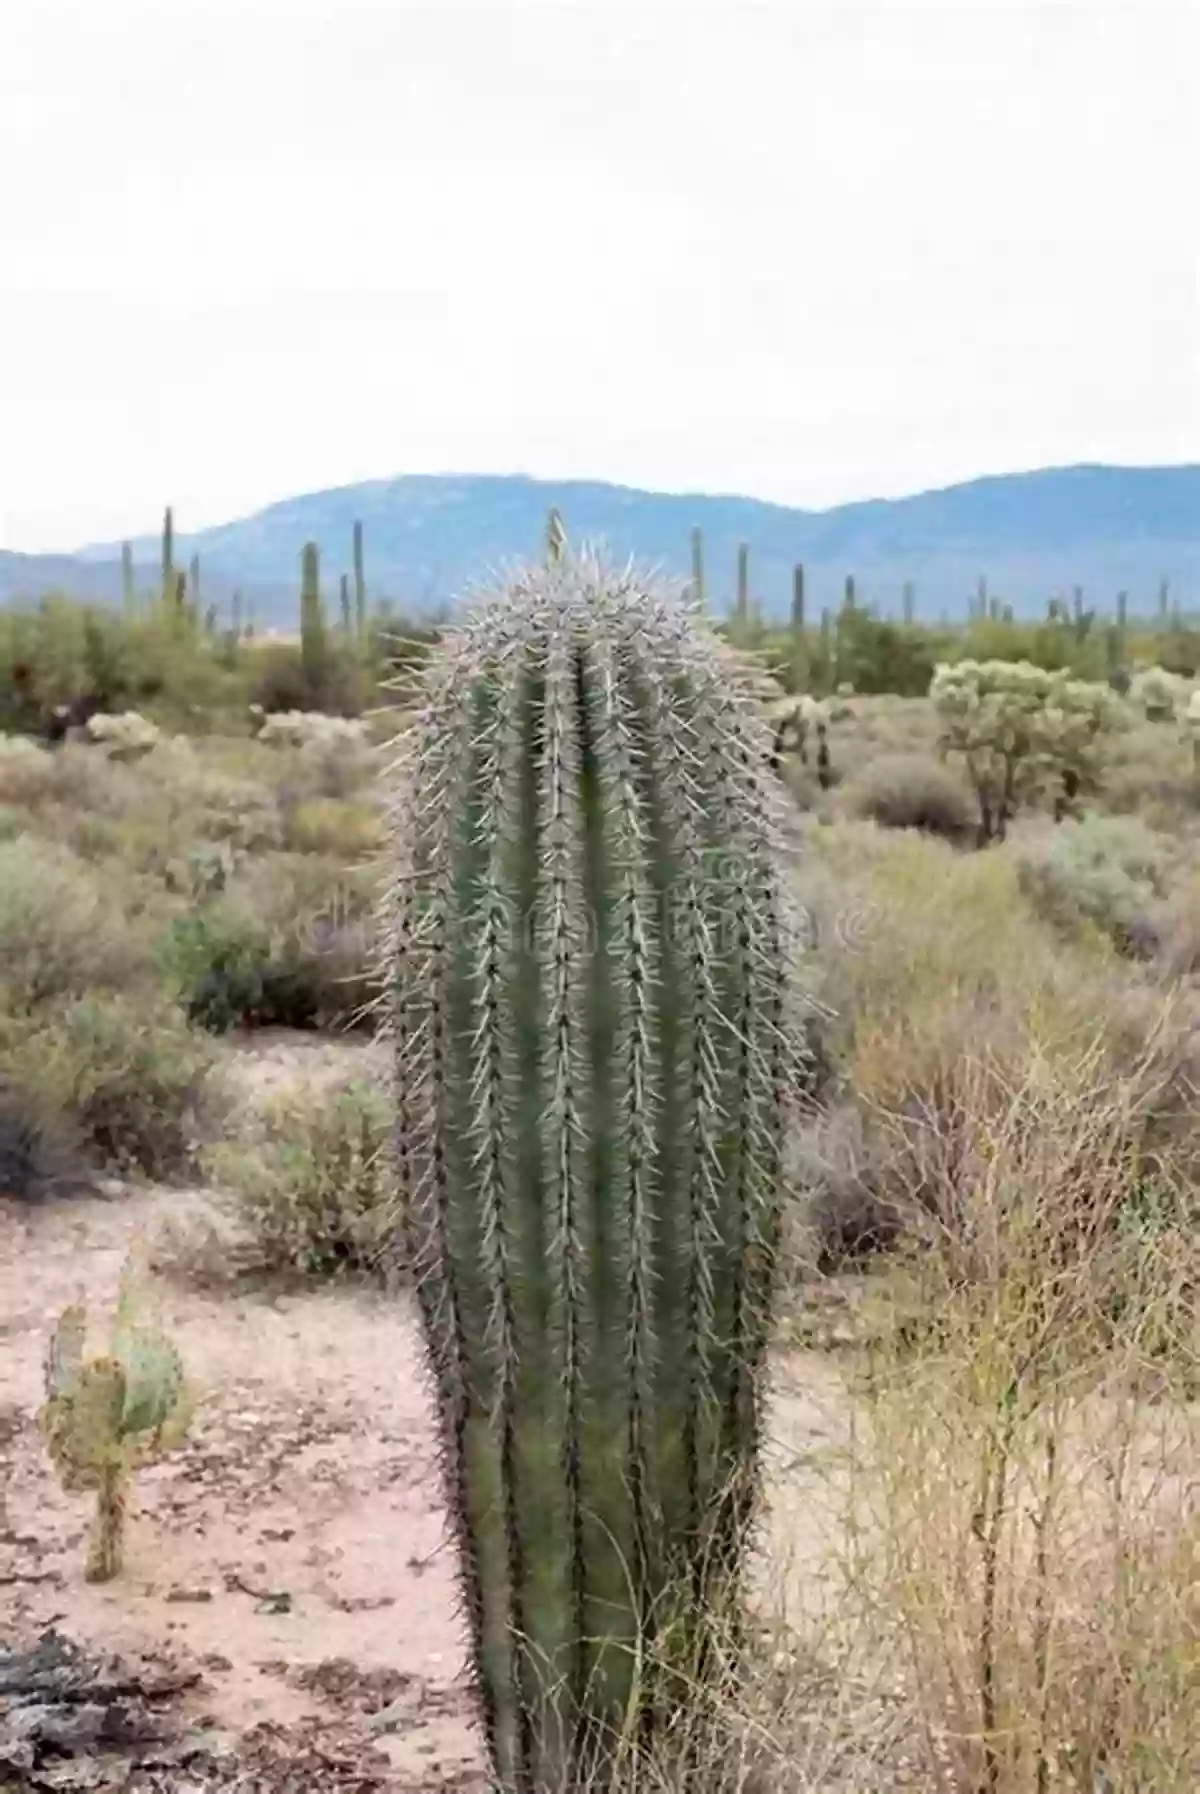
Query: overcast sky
250,248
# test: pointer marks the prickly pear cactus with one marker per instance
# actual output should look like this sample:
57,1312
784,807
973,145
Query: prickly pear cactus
105,1416
589,956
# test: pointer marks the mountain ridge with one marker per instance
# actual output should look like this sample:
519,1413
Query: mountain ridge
1032,534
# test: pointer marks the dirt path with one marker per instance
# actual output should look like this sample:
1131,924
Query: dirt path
294,1551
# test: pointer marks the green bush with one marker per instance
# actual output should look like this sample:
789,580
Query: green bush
313,1192
282,681
913,791
62,930
287,943
1110,871
133,1083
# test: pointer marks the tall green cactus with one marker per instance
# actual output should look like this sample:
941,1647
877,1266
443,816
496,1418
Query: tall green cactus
698,570
799,657
741,608
908,603
168,556
360,585
128,581
313,643
589,952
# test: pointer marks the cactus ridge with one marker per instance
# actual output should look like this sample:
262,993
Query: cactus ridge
588,947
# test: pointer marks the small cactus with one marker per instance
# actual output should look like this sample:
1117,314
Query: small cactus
106,1416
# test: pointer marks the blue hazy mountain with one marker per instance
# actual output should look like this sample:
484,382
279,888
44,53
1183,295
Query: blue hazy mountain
1031,535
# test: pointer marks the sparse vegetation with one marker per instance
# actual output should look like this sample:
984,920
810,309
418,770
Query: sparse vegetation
989,1242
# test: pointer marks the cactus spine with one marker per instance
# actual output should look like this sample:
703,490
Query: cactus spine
588,958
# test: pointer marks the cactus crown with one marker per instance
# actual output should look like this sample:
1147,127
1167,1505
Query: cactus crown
589,949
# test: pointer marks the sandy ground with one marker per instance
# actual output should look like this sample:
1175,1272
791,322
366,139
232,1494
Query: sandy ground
293,1552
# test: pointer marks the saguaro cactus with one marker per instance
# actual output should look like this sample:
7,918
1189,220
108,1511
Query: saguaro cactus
128,581
698,569
168,555
312,616
589,956
106,1416
360,585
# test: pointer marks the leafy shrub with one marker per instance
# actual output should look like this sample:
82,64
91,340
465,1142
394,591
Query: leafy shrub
913,791
134,1081
313,1192
1111,871
325,825
283,682
62,930
288,942
39,1149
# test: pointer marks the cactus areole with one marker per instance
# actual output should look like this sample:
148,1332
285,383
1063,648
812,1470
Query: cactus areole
597,1038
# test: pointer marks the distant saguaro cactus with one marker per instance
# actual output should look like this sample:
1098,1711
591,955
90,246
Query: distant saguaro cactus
742,600
589,955
312,616
128,585
698,569
168,555
360,585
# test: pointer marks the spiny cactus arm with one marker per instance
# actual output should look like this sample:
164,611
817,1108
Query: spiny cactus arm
83,1426
64,1355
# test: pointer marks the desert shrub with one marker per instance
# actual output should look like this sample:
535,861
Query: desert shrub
313,1190
62,929
1020,1541
913,791
1110,871
338,685
123,736
289,942
40,1149
1160,695
133,1080
325,825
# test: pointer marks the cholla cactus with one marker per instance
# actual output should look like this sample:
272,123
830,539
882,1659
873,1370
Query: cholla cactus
105,1416
126,737
311,728
1160,695
589,954
1020,729
1191,728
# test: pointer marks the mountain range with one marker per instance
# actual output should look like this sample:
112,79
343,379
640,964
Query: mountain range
1031,535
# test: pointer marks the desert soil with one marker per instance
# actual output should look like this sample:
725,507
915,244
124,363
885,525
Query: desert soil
290,1562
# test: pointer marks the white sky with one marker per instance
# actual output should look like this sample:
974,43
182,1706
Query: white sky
250,248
